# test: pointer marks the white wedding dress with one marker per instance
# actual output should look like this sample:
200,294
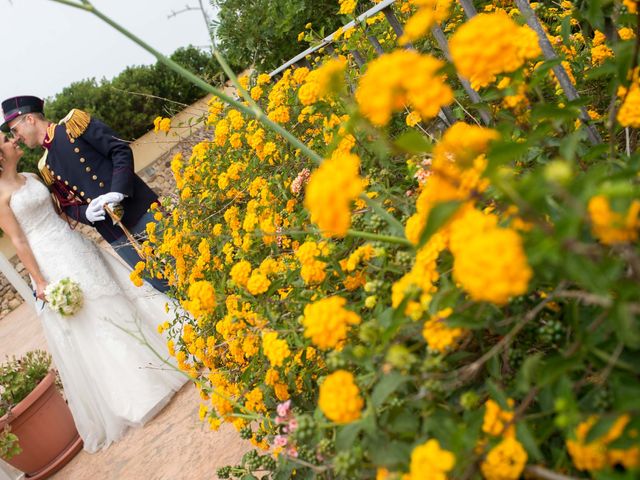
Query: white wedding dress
110,379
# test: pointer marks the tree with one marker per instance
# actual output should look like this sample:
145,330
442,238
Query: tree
131,100
263,33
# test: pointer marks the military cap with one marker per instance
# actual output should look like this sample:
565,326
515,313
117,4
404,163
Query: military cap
15,106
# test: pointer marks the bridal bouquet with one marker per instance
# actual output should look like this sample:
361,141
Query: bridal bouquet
64,296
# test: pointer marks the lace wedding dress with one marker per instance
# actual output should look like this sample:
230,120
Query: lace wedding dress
110,379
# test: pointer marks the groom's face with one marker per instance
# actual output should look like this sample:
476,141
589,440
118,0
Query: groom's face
23,130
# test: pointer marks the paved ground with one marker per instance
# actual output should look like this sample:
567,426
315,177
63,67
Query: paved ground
173,446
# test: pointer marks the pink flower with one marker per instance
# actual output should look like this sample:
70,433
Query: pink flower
292,452
284,409
293,424
300,181
280,441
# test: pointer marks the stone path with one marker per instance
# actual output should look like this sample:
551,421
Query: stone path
175,445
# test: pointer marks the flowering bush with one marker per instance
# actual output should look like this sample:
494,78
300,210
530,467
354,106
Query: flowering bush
440,297
64,296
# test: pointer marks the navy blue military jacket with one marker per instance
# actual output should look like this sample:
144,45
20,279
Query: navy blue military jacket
88,158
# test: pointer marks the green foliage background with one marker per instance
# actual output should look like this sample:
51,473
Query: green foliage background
263,33
130,101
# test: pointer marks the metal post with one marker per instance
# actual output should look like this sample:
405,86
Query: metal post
395,24
561,74
469,10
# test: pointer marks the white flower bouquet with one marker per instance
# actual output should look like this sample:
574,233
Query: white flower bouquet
64,296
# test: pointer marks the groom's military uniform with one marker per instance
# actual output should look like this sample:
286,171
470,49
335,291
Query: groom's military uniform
85,159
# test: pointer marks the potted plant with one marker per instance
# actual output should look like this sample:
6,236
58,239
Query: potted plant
42,436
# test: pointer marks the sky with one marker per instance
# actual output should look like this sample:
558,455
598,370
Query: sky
46,45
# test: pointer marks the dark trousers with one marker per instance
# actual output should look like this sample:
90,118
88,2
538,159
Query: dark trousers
126,251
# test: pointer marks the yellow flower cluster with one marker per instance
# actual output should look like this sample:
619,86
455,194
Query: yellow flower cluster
611,227
599,50
161,124
597,454
330,192
629,113
202,298
491,44
347,7
361,254
422,276
240,273
495,419
438,335
275,349
340,399
312,270
430,461
428,13
456,172
135,277
399,79
323,81
489,261
326,322
505,461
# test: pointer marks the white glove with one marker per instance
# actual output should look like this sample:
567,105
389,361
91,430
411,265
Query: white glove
111,198
95,210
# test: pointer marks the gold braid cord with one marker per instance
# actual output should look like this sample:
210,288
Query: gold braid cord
76,122
117,220
43,168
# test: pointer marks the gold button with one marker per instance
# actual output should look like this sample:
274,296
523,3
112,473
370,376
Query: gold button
72,140
77,150
81,159
82,194
88,199
66,183
75,188
59,177
95,177
88,169
101,184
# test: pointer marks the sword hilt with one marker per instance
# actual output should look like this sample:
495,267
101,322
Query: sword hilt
117,220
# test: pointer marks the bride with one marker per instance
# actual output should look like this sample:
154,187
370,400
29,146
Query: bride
110,379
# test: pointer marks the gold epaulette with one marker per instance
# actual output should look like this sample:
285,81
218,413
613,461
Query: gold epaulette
76,122
43,168
51,132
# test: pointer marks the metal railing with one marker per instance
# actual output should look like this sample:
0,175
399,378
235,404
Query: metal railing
446,114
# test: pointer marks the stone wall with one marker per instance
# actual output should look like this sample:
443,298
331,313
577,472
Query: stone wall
157,174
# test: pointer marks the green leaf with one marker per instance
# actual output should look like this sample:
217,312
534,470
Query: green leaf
413,142
438,216
386,387
547,111
613,475
595,14
528,371
556,367
601,428
626,326
388,454
347,435
570,144
528,440
505,152
497,394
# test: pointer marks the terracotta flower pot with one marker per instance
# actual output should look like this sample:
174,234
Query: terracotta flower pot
45,429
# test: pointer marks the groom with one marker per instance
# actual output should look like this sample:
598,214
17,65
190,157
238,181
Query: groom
86,167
